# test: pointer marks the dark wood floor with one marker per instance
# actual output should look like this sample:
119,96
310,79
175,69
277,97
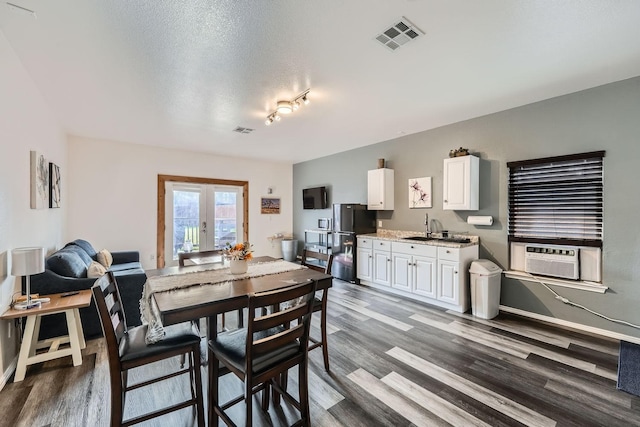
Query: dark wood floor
394,363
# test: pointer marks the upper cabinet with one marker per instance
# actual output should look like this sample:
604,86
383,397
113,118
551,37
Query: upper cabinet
380,189
461,187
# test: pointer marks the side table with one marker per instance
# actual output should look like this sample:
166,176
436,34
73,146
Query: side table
58,304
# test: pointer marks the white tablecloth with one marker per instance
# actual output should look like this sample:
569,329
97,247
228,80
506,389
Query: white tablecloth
216,275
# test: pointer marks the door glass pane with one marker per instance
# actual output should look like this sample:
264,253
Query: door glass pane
186,220
226,218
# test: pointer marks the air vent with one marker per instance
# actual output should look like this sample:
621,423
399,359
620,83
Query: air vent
240,129
399,34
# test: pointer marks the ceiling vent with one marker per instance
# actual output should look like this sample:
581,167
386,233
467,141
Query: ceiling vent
399,34
240,129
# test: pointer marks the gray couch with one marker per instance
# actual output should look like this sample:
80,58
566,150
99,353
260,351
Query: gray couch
66,270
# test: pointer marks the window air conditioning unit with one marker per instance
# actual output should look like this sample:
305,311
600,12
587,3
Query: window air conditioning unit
552,260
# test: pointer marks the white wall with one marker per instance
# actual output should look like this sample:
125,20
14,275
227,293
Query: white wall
113,193
25,124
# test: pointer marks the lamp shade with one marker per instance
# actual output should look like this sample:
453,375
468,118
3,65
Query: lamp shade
27,261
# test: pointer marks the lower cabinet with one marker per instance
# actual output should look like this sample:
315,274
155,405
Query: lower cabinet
381,262
364,259
414,268
435,274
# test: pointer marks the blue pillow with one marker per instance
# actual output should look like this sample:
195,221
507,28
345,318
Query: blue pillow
67,263
86,246
81,253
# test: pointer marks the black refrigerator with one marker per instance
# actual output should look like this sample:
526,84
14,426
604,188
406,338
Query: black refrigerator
349,219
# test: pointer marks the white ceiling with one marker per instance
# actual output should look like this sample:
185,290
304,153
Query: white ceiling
185,74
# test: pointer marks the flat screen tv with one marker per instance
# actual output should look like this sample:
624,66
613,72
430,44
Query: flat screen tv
314,198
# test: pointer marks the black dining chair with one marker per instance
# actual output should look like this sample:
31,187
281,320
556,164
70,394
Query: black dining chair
274,341
127,349
321,262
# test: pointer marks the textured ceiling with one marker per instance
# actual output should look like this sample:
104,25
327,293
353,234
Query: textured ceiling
185,74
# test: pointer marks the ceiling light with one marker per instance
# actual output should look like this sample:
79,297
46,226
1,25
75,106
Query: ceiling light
284,107
287,107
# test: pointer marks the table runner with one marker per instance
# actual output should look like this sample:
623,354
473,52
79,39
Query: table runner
150,314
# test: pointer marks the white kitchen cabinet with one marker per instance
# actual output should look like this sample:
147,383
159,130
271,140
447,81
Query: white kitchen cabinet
414,268
380,189
461,183
364,259
425,272
381,262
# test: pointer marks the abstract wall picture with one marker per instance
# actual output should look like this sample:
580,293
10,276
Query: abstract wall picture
39,181
270,205
54,185
420,192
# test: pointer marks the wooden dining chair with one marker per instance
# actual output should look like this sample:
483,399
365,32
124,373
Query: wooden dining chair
127,349
259,354
321,262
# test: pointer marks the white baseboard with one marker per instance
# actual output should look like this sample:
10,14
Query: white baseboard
571,325
8,372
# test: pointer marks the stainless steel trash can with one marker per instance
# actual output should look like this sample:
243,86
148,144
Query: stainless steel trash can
289,249
485,288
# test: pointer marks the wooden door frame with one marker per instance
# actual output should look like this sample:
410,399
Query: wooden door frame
163,179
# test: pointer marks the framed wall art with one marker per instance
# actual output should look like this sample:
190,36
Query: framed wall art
54,185
270,205
39,181
420,192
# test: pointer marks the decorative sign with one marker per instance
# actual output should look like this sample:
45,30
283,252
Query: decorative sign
270,205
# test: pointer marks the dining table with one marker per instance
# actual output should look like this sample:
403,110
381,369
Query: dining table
207,301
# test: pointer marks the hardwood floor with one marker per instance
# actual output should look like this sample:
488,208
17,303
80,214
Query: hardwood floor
394,362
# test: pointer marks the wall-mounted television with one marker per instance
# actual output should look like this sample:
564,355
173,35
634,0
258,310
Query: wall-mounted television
314,198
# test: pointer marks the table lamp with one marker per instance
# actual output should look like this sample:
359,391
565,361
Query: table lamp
25,262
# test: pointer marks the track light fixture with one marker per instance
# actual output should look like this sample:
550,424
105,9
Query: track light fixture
287,107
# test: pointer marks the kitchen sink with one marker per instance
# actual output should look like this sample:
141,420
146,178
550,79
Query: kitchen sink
436,239
418,238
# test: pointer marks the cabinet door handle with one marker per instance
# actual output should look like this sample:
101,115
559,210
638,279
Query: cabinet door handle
446,201
455,272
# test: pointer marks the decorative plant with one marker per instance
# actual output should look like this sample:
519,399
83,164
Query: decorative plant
239,251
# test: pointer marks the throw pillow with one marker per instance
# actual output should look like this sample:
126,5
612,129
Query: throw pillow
105,258
96,270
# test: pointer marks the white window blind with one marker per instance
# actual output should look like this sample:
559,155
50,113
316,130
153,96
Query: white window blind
557,200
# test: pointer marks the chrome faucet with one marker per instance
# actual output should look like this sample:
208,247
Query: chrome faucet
427,229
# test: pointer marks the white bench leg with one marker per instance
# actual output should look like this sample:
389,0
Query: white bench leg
28,346
74,340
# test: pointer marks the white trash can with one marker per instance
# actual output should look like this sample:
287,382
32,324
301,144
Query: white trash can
485,288
289,249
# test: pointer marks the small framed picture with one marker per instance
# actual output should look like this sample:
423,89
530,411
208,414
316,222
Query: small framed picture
270,205
420,192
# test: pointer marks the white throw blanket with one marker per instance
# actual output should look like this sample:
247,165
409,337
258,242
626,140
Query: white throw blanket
150,314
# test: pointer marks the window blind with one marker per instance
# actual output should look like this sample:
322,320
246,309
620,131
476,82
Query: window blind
557,200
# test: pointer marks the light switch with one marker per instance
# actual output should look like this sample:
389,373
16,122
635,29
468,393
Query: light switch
380,223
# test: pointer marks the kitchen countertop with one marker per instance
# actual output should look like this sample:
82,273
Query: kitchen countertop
399,236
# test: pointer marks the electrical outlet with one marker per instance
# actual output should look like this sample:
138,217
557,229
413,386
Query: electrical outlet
152,257
380,223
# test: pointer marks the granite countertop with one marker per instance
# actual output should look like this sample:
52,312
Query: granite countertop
399,236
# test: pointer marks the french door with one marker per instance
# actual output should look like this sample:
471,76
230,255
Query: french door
200,217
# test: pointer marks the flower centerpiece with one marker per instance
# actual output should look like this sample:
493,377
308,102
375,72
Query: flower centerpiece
238,256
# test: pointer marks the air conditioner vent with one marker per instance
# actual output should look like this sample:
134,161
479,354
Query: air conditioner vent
398,34
241,129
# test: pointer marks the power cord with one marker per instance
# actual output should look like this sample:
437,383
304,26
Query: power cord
13,299
573,304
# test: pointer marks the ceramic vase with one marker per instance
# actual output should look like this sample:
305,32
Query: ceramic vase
238,266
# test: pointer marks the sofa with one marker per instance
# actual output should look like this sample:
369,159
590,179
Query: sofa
66,270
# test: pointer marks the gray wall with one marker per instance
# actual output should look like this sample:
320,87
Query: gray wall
602,118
